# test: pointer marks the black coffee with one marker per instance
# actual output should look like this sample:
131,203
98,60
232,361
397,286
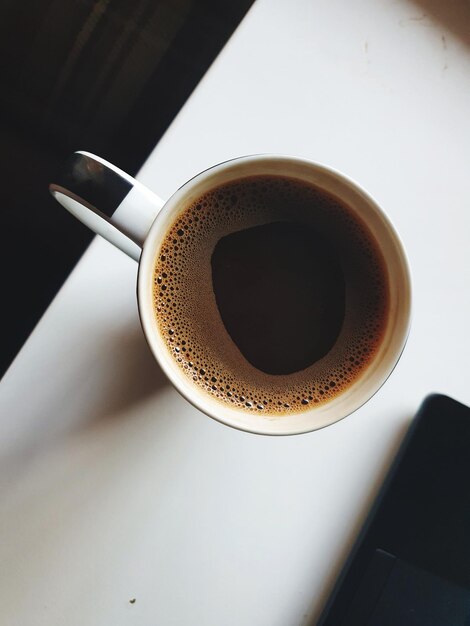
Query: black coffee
271,294
293,262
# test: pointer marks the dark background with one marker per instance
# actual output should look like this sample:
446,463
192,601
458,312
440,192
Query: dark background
107,76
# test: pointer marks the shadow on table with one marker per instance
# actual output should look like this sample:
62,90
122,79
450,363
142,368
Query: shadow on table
82,401
454,15
313,617
136,375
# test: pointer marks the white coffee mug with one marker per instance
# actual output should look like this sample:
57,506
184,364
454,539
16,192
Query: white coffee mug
130,216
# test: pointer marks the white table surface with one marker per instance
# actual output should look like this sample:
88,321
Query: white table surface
112,486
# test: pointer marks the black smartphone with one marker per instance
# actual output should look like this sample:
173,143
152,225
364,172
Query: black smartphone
411,563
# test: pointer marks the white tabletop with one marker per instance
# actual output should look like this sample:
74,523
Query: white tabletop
112,486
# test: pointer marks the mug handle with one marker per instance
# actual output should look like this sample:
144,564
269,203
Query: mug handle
107,200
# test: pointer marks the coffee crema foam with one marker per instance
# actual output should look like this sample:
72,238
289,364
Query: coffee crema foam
189,321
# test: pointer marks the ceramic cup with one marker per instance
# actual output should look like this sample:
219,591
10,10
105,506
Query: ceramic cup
134,219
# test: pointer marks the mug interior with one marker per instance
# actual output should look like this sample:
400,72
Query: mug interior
398,321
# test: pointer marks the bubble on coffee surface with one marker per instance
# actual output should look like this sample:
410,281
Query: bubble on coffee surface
189,321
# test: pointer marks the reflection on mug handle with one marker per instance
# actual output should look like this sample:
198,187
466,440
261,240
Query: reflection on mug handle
107,200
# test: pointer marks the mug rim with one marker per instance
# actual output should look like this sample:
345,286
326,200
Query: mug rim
196,397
